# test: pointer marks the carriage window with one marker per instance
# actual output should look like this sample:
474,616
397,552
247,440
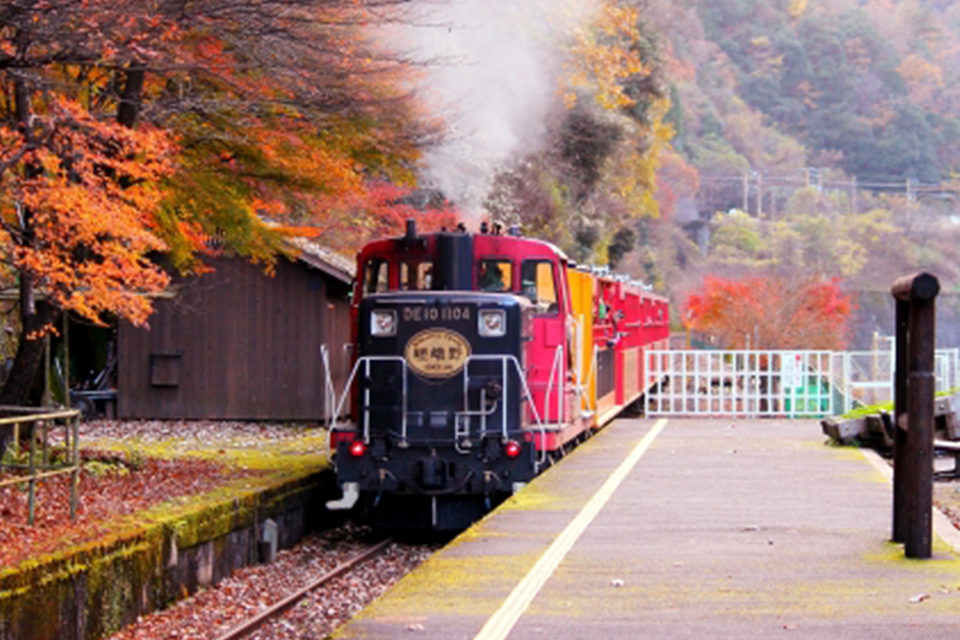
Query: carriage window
494,275
415,276
375,276
538,284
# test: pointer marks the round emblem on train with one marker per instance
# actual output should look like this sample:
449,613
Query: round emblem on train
437,353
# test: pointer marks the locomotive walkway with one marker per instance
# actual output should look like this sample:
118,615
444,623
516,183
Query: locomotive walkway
683,529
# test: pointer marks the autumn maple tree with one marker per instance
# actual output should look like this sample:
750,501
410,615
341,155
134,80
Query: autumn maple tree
130,127
78,192
766,312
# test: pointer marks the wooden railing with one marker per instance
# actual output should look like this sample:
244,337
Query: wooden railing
38,466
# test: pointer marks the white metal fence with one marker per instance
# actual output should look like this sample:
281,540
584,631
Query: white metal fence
863,377
800,384
743,382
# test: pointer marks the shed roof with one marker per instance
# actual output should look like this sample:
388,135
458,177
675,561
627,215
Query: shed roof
325,259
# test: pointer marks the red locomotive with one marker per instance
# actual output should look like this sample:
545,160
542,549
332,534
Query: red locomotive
478,360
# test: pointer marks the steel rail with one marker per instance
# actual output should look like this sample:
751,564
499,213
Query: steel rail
250,624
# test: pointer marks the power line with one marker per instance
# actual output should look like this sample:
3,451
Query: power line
757,183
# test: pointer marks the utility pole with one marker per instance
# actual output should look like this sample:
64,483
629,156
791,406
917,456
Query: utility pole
746,190
759,194
911,197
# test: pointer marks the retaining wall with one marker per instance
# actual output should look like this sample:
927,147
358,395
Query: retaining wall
95,589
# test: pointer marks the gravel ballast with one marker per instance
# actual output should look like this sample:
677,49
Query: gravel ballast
214,611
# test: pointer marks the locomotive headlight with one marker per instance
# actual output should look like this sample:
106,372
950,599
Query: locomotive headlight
492,323
383,323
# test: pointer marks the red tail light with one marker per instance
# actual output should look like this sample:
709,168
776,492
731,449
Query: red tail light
337,436
357,448
512,449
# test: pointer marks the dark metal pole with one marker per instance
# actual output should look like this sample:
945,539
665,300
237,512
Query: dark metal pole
900,465
915,504
920,399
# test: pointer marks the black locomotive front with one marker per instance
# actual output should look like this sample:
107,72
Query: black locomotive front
440,407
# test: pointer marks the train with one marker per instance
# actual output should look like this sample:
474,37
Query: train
478,360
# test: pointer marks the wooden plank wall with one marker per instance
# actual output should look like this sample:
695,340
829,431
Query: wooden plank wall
236,344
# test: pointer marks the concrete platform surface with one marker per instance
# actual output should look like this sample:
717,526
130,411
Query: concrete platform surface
720,529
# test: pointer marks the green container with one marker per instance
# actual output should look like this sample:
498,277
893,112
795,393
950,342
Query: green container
810,400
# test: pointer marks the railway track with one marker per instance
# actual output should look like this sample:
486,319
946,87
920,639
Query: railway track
307,592
255,622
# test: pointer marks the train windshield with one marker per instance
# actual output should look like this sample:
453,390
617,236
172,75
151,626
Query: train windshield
375,277
416,275
494,275
537,284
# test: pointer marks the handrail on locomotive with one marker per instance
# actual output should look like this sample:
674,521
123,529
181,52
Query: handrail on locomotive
555,367
462,416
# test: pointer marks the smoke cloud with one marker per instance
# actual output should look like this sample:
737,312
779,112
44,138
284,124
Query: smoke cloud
492,69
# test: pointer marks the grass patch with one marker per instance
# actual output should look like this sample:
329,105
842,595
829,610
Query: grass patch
867,410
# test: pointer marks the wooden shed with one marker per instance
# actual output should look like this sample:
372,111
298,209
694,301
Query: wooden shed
239,344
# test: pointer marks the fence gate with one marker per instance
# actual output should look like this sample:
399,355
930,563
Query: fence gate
794,384
863,378
797,384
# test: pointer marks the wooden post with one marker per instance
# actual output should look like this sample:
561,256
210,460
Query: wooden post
74,454
66,359
913,409
900,370
32,483
47,399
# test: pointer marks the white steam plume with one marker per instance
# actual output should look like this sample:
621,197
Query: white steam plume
492,74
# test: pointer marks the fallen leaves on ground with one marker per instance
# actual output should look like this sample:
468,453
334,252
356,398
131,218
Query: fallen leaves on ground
123,475
102,495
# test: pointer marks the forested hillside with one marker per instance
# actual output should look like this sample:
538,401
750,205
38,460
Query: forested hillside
824,137
867,87
798,140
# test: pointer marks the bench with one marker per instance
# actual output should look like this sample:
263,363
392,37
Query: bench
952,447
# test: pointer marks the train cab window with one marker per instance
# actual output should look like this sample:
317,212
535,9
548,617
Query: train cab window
536,278
494,275
375,276
416,276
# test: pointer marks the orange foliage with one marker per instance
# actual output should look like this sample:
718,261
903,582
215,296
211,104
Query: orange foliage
253,122
81,226
380,210
603,57
771,313
924,78
303,131
131,127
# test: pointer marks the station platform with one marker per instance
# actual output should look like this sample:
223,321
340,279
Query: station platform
684,529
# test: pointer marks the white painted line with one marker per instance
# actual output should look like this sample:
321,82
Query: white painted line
502,622
941,523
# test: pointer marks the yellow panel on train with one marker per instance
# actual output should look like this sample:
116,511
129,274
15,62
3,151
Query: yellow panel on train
582,285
